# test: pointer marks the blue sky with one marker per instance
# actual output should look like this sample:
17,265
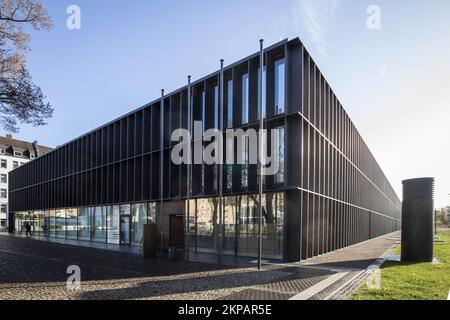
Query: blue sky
394,82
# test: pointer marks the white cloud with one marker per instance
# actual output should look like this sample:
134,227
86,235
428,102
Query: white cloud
316,17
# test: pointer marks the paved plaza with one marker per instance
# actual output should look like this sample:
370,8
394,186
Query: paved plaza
35,270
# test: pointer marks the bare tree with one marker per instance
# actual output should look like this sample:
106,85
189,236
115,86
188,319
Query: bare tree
21,101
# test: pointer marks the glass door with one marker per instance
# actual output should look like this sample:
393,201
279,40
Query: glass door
125,230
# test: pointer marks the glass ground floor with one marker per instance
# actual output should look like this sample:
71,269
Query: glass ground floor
196,224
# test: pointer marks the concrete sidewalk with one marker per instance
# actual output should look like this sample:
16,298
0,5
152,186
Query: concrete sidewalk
359,256
328,277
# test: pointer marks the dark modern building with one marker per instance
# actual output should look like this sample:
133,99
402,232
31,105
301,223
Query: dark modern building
13,154
329,193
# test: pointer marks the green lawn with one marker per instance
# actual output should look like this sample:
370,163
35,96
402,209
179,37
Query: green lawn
414,281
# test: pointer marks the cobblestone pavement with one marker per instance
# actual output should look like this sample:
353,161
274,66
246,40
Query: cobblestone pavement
36,270
31,269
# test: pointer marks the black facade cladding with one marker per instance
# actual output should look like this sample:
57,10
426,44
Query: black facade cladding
335,192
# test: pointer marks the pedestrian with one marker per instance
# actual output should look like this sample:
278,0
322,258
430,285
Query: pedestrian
28,229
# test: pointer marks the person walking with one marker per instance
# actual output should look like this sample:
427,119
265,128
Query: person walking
28,230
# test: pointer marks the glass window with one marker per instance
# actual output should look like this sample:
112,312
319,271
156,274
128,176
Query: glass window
207,225
229,177
125,211
264,92
138,219
280,72
15,164
52,223
3,163
191,209
113,225
84,224
245,98
246,237
3,193
279,177
125,230
18,154
39,217
273,225
216,107
4,178
60,223
203,111
28,220
229,213
46,225
230,104
99,228
18,222
244,170
3,208
72,223
151,218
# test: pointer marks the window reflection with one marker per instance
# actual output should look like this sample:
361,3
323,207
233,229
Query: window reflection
192,227
244,167
264,92
72,223
280,73
151,213
240,227
229,214
230,104
46,225
207,224
139,218
99,228
52,223
229,176
125,221
216,107
84,225
60,224
113,232
124,224
279,177
245,98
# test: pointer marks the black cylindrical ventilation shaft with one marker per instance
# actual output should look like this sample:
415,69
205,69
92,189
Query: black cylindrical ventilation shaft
417,220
